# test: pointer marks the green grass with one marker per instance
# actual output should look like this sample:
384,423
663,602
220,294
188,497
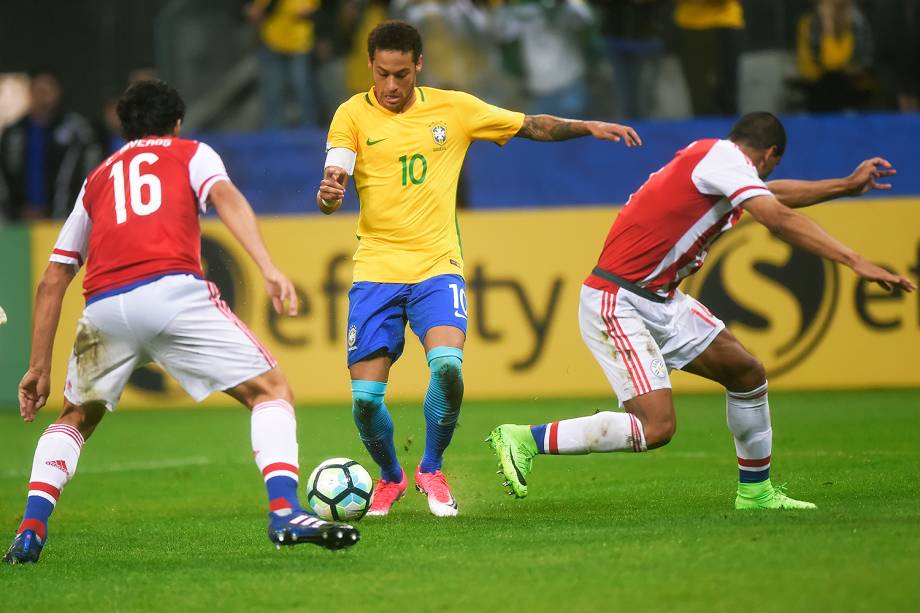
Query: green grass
166,513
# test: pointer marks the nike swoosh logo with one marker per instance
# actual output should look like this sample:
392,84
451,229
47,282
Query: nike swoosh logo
374,142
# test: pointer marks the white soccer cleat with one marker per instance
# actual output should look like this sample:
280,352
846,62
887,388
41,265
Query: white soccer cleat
441,502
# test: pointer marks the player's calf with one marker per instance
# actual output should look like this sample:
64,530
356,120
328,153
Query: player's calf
442,404
53,466
375,427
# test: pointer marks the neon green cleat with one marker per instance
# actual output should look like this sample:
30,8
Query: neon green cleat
515,448
753,496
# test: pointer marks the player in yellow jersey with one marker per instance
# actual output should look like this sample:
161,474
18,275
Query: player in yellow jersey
405,146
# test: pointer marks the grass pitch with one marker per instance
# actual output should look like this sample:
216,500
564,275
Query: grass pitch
166,513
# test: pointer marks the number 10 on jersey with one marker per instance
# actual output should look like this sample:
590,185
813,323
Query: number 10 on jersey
136,181
414,169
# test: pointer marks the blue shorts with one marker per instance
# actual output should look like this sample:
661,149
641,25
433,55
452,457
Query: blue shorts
378,312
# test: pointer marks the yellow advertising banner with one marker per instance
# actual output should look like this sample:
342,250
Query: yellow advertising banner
814,324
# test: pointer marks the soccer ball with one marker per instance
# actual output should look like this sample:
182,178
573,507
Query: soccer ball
339,489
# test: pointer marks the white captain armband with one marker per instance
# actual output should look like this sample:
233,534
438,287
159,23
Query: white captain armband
341,157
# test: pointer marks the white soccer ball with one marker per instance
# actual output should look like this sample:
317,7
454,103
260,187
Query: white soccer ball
339,489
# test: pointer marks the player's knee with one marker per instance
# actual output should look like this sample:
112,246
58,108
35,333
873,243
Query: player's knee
366,399
660,431
750,375
83,417
446,364
448,369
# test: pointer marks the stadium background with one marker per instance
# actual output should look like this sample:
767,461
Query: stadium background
533,215
167,511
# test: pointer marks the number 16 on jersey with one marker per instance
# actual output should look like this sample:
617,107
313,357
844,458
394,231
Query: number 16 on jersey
136,182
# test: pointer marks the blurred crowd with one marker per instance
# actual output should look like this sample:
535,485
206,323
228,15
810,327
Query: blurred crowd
571,58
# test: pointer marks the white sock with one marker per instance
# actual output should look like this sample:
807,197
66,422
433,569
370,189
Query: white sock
54,464
601,432
56,456
748,417
274,446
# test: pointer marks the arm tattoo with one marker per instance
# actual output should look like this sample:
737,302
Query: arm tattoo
549,128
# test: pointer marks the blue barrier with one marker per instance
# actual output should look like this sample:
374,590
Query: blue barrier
280,171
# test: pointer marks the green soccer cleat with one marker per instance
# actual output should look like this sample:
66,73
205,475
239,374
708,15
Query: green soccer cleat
515,448
753,496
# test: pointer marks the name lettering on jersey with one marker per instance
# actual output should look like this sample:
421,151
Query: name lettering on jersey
141,142
439,134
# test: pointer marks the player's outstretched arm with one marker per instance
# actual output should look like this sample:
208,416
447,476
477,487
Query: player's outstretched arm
331,189
803,232
36,383
550,128
796,194
236,213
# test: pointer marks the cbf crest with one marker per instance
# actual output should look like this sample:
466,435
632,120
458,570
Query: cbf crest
352,337
439,134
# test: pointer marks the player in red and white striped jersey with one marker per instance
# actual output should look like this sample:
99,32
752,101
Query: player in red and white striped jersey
640,326
135,226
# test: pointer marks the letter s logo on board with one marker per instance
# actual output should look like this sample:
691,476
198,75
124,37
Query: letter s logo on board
777,299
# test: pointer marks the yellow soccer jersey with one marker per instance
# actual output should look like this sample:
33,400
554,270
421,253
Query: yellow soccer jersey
406,176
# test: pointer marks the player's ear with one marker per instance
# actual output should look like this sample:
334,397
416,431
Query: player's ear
418,65
177,128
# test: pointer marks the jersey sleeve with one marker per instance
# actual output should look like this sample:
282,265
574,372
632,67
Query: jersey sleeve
343,133
484,121
71,245
204,170
726,171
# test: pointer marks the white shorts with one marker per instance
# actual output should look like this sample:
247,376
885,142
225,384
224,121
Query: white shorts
638,341
177,321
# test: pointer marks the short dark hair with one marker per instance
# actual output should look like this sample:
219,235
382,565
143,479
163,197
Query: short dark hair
760,130
149,108
395,35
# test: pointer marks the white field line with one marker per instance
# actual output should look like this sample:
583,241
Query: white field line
125,467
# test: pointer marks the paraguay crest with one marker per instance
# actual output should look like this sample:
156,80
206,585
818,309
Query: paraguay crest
439,134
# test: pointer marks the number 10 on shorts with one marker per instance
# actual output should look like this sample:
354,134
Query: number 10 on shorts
459,300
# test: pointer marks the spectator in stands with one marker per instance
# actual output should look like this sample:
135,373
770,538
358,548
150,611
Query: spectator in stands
285,59
632,37
335,23
896,31
551,38
457,43
44,156
835,50
709,47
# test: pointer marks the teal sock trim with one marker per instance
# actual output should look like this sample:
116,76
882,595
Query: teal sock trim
441,352
378,388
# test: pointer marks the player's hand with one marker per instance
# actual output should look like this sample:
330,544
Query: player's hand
614,132
867,175
331,189
33,392
281,291
868,270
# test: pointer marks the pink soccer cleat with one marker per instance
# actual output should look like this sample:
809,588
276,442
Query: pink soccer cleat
434,485
386,494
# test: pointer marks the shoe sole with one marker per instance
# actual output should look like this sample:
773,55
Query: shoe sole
332,539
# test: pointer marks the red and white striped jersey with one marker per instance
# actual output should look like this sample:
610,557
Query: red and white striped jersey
136,218
663,232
